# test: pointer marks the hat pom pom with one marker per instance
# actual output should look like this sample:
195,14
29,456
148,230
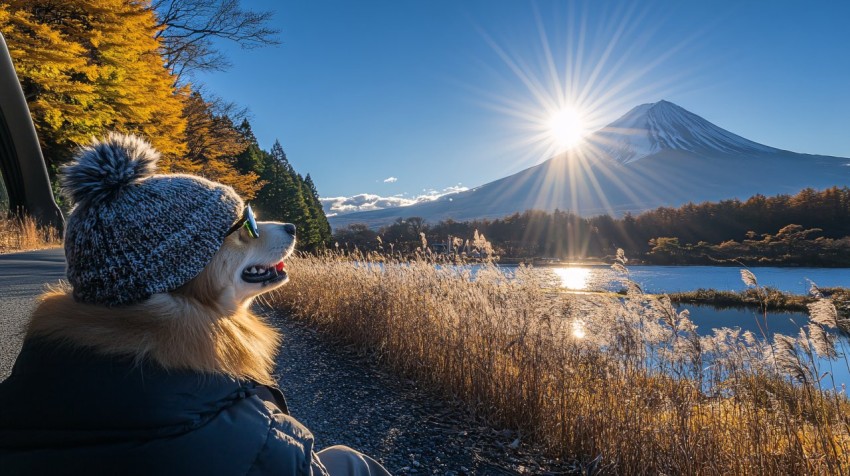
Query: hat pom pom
102,170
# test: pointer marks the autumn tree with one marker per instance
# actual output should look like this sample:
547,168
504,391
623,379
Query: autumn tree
89,66
92,66
356,235
213,145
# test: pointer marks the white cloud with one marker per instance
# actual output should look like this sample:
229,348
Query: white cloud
367,201
391,180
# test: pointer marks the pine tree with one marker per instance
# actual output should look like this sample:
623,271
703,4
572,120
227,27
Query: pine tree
292,203
324,228
276,200
288,198
310,232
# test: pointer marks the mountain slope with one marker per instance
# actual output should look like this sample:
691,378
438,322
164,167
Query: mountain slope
655,155
652,128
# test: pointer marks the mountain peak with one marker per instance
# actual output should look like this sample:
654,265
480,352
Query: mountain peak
654,127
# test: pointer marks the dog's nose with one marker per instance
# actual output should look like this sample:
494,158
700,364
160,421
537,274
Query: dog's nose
290,228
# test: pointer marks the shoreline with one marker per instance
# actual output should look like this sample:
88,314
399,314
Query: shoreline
775,300
558,264
771,299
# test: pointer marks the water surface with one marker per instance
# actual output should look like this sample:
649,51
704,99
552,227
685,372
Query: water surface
670,279
708,318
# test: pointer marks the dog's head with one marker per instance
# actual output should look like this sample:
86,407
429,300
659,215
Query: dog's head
125,258
244,267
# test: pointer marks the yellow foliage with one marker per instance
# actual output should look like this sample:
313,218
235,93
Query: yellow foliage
212,145
90,66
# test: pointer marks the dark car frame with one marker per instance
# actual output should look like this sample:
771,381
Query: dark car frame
21,161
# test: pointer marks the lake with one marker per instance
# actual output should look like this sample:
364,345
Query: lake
670,279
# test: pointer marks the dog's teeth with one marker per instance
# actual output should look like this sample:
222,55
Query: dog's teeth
253,270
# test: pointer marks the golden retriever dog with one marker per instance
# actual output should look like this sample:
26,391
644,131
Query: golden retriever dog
205,325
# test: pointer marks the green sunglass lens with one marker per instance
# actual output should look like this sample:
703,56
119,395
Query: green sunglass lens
251,223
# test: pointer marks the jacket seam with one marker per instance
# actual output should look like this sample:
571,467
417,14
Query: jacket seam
262,448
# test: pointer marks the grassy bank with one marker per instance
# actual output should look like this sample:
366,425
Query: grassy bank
774,299
618,386
25,234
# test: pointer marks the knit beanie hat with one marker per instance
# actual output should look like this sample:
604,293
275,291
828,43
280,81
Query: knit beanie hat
131,233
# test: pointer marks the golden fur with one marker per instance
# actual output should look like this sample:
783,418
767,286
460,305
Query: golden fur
206,325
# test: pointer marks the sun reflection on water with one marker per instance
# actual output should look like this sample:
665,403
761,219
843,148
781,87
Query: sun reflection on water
578,329
573,278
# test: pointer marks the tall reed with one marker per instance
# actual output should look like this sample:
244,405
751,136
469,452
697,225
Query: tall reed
21,234
615,385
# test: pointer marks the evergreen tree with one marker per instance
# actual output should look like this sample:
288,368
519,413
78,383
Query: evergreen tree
310,233
251,159
288,204
322,224
289,197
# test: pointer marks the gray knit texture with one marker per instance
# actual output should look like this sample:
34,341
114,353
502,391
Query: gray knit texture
132,234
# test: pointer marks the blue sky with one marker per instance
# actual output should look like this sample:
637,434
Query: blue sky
441,93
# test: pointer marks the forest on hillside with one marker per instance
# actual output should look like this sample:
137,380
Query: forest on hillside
92,66
810,228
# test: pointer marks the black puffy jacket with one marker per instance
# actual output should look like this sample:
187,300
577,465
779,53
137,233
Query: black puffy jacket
67,410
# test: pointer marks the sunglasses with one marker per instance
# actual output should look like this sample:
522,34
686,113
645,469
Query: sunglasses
248,221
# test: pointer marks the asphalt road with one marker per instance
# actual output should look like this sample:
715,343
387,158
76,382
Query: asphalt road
22,278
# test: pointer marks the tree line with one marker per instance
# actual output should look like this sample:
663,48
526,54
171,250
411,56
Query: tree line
91,66
756,230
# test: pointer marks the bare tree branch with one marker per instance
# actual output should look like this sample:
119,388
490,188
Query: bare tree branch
188,30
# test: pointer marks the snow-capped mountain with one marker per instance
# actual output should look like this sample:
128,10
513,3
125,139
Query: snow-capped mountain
651,128
655,155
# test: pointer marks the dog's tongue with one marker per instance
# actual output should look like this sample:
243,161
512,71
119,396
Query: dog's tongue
279,267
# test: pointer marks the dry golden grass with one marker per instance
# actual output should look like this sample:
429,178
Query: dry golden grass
619,386
25,234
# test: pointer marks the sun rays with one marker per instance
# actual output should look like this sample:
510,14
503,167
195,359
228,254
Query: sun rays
567,82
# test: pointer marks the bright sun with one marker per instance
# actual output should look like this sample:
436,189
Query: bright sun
566,127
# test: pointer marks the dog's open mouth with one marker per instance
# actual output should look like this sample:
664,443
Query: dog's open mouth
265,274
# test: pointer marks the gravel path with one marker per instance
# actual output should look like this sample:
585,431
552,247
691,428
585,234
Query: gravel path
346,399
